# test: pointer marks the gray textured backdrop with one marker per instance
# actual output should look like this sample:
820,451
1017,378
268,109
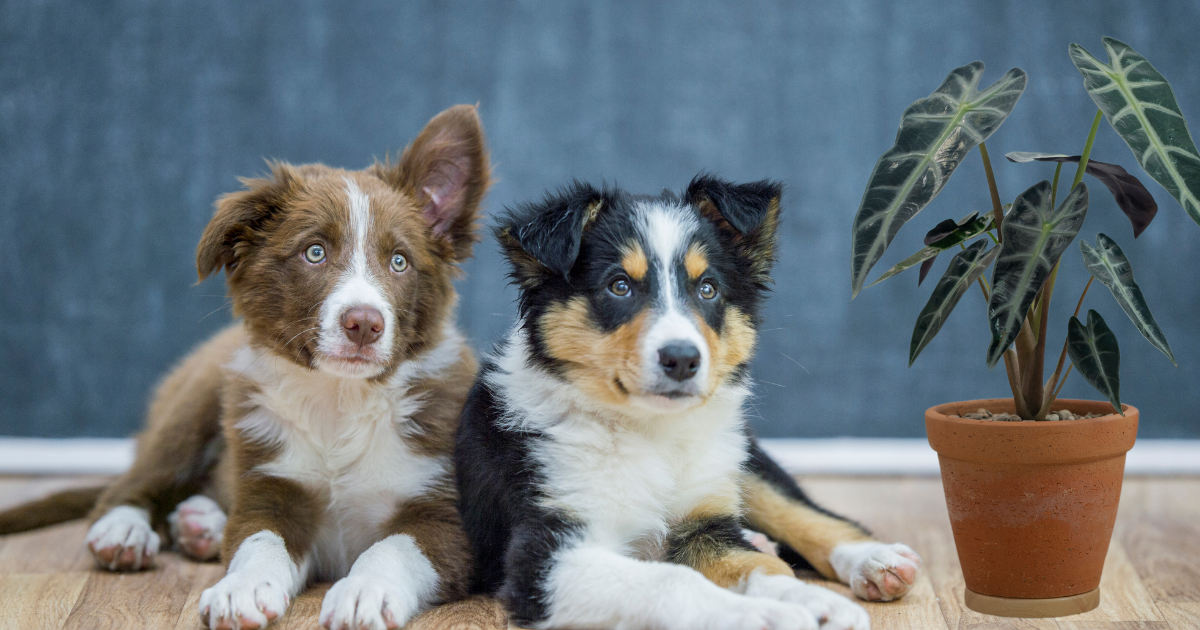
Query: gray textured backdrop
120,122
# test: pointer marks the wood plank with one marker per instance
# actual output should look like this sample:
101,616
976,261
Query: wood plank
1162,539
476,613
147,599
1151,579
203,576
38,600
54,549
1181,616
305,609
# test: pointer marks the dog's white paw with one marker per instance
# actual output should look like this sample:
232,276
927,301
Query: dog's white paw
122,540
198,527
243,600
768,613
831,611
876,571
366,603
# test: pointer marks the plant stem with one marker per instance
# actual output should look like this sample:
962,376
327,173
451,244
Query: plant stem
997,209
1054,186
1087,150
1060,387
1013,368
1062,357
1033,369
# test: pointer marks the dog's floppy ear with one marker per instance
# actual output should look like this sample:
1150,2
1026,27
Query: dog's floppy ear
238,222
545,236
747,214
446,171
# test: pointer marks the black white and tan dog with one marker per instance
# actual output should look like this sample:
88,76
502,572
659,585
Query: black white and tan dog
323,422
604,466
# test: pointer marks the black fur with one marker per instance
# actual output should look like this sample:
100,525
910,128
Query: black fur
512,537
706,537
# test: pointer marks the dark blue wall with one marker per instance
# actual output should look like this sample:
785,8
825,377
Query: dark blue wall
120,122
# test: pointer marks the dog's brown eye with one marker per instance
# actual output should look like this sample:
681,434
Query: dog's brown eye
399,263
619,287
314,254
708,291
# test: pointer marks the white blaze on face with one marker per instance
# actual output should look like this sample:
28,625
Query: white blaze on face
668,231
357,286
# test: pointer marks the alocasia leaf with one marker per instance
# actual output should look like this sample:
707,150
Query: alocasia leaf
966,229
946,230
1035,235
965,268
1094,352
1140,105
935,134
1131,196
1109,265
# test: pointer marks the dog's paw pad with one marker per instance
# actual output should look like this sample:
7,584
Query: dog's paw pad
243,600
877,571
198,527
122,540
356,602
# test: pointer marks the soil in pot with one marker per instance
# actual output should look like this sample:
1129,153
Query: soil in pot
1032,504
1053,416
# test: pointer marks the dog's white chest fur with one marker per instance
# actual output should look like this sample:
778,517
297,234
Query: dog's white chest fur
342,439
628,486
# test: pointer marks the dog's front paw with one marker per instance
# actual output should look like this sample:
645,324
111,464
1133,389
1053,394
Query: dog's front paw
832,611
752,613
198,527
243,600
122,540
359,602
875,571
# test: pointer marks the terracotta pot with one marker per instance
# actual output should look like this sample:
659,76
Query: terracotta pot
1032,504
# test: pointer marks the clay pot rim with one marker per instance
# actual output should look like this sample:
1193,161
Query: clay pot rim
939,412
1029,441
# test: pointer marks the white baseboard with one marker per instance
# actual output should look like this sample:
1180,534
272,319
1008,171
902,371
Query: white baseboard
826,456
913,456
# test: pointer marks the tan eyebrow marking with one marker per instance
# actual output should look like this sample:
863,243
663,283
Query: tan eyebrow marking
695,261
634,261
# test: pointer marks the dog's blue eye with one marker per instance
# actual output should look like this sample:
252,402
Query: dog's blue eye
708,291
619,287
399,263
314,254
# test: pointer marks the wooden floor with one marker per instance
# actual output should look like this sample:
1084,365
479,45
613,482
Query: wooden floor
1151,578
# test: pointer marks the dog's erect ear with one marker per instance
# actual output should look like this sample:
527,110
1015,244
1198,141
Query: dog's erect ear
446,170
546,235
748,214
238,222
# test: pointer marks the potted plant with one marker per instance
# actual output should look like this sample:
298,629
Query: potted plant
1032,500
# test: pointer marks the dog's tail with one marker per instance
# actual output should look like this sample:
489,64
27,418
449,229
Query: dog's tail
56,508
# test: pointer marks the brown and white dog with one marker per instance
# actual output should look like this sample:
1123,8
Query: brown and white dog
323,422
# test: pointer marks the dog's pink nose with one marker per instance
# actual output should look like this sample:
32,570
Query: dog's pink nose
362,325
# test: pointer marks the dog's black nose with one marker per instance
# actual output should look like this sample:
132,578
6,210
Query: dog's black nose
679,359
363,325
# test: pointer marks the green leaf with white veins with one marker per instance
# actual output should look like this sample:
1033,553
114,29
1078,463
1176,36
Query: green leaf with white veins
1097,358
1109,265
935,134
1140,105
965,268
1035,235
963,233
